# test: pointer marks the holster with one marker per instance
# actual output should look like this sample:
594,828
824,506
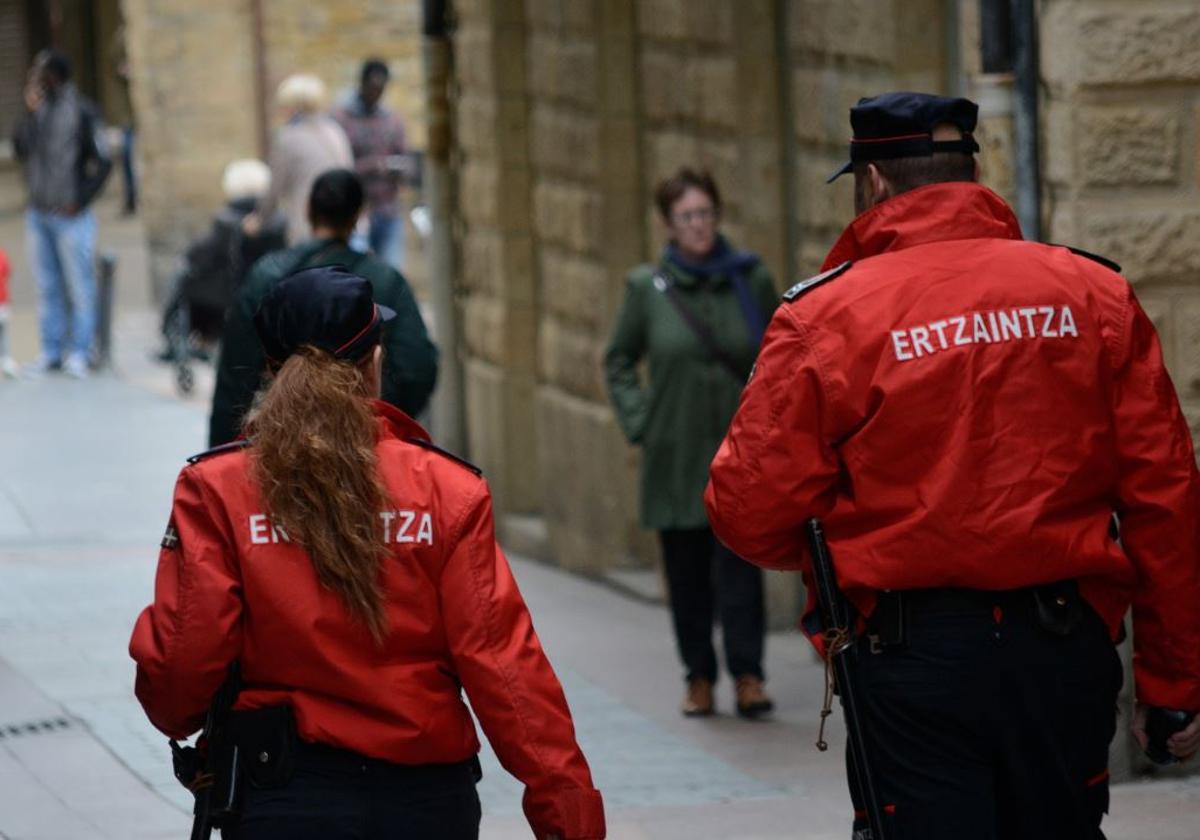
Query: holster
1059,607
267,744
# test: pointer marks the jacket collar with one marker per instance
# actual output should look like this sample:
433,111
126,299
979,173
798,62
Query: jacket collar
392,422
936,213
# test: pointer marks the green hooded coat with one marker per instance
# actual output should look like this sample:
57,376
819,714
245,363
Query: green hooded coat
680,415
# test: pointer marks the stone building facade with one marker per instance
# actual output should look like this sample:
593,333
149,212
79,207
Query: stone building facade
571,110
204,76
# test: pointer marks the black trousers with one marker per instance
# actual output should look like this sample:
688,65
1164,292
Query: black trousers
338,795
702,573
987,726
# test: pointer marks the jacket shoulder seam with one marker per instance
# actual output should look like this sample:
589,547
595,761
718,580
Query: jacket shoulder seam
429,446
804,286
232,446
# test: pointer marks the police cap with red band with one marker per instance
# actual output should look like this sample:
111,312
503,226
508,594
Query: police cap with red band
326,307
900,125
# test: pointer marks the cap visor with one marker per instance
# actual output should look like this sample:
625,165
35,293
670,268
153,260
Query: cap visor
386,313
848,166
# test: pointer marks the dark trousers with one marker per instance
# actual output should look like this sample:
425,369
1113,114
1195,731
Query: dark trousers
338,795
985,725
702,573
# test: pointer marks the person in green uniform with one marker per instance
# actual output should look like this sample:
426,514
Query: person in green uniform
696,318
410,358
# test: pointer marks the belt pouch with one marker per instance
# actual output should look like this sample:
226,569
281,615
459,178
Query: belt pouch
268,744
1059,607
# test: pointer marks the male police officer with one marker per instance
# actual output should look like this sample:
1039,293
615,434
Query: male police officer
967,411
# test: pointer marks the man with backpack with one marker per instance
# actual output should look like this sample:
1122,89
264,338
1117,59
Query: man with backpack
410,358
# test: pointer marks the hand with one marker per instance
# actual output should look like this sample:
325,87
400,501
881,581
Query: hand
35,95
251,224
1183,744
69,210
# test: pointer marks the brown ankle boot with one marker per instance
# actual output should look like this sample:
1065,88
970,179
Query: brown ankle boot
752,700
698,702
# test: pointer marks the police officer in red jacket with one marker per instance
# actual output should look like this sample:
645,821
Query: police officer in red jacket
351,568
968,412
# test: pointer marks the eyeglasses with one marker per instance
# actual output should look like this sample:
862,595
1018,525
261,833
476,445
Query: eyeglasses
705,214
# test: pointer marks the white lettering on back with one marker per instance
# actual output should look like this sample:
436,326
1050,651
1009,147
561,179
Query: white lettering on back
920,339
260,533
1015,324
425,530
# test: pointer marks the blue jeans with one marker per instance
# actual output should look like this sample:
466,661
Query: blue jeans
384,239
62,250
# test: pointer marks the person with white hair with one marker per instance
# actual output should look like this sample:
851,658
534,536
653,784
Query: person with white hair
307,144
214,266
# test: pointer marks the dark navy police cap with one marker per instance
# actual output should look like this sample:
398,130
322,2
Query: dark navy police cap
900,125
326,307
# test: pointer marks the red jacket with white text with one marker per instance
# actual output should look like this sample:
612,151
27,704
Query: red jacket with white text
230,587
966,409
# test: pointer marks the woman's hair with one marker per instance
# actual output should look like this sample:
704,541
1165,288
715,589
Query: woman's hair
302,92
673,188
314,462
245,178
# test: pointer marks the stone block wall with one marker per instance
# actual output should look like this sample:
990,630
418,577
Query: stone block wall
1122,113
569,112
194,90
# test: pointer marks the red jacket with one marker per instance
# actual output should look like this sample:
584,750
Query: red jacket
966,409
230,587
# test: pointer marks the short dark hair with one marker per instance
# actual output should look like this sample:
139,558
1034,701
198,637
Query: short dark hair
375,67
908,173
673,188
57,65
336,199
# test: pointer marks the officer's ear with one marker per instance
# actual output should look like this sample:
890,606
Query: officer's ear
880,187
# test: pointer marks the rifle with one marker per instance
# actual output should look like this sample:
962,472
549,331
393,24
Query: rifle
840,656
210,768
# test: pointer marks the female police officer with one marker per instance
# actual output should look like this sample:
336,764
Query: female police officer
351,569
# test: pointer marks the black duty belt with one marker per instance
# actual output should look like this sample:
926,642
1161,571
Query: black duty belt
1057,607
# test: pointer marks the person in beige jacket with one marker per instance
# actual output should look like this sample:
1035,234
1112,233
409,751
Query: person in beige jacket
307,144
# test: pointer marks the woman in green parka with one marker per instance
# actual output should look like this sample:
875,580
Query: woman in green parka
697,318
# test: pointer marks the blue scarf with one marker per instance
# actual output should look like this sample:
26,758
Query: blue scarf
724,261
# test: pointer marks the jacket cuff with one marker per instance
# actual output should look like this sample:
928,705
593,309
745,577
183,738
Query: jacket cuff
574,814
1154,689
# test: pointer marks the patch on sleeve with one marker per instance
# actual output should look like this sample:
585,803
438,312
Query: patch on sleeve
1104,261
812,282
170,540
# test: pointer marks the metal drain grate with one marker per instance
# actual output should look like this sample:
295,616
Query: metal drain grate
33,727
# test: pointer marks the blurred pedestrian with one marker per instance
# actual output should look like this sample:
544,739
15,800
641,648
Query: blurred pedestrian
410,361
351,569
377,139
215,266
307,144
968,412
8,366
60,141
697,318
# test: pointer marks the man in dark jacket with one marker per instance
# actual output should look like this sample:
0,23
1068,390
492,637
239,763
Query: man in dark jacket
60,142
215,265
410,363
